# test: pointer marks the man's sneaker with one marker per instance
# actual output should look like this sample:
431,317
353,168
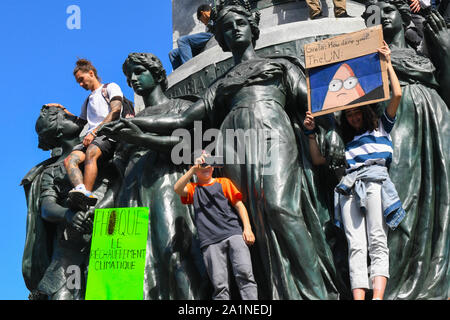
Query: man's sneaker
82,197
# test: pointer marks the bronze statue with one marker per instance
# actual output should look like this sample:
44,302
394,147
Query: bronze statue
291,254
58,229
297,255
71,222
174,267
419,249
59,225
39,233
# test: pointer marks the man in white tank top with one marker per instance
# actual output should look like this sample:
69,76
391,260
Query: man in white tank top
103,105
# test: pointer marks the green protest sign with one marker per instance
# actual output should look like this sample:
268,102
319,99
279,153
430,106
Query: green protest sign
117,257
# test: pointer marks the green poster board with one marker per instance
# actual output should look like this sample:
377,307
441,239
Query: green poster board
117,257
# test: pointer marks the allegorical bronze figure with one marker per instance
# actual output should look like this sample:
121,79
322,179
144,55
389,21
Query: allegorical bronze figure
40,233
419,249
293,258
174,268
58,230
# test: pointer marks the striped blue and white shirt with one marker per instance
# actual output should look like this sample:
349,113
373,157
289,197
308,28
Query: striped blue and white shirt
373,147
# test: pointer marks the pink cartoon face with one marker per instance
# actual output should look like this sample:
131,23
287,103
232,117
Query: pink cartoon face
343,88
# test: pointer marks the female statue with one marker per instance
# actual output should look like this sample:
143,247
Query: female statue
291,257
174,267
419,250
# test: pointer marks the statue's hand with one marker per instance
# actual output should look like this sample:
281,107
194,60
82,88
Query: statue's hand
106,129
127,135
88,222
111,128
438,41
438,35
79,221
129,124
334,150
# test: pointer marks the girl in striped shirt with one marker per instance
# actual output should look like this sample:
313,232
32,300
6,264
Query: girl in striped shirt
367,146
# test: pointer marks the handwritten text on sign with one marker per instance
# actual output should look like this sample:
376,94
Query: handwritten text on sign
117,258
343,47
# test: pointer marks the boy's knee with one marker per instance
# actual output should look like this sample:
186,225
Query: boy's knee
244,273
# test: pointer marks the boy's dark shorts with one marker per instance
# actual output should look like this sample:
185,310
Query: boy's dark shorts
106,146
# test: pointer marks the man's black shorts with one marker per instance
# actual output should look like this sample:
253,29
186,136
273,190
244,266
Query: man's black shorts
105,145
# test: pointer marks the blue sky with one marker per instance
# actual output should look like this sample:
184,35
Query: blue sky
38,55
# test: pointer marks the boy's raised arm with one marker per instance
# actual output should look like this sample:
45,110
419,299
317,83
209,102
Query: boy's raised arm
180,186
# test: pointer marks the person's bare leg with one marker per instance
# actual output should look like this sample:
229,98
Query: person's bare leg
93,153
359,294
72,163
379,285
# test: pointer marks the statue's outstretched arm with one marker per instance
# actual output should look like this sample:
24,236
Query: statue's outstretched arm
163,124
52,212
148,140
166,124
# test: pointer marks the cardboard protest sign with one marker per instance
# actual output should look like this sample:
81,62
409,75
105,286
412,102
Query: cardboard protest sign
117,257
346,71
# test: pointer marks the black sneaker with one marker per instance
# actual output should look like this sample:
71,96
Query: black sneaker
83,198
344,15
317,16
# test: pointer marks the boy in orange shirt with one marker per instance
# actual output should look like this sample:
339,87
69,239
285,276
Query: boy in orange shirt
216,201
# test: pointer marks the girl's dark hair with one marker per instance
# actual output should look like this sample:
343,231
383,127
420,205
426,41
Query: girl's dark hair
370,123
151,63
84,66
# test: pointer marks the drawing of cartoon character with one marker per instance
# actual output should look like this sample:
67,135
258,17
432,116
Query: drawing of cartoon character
346,83
343,89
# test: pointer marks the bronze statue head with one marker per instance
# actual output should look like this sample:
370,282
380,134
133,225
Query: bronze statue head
242,8
393,13
141,63
54,125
